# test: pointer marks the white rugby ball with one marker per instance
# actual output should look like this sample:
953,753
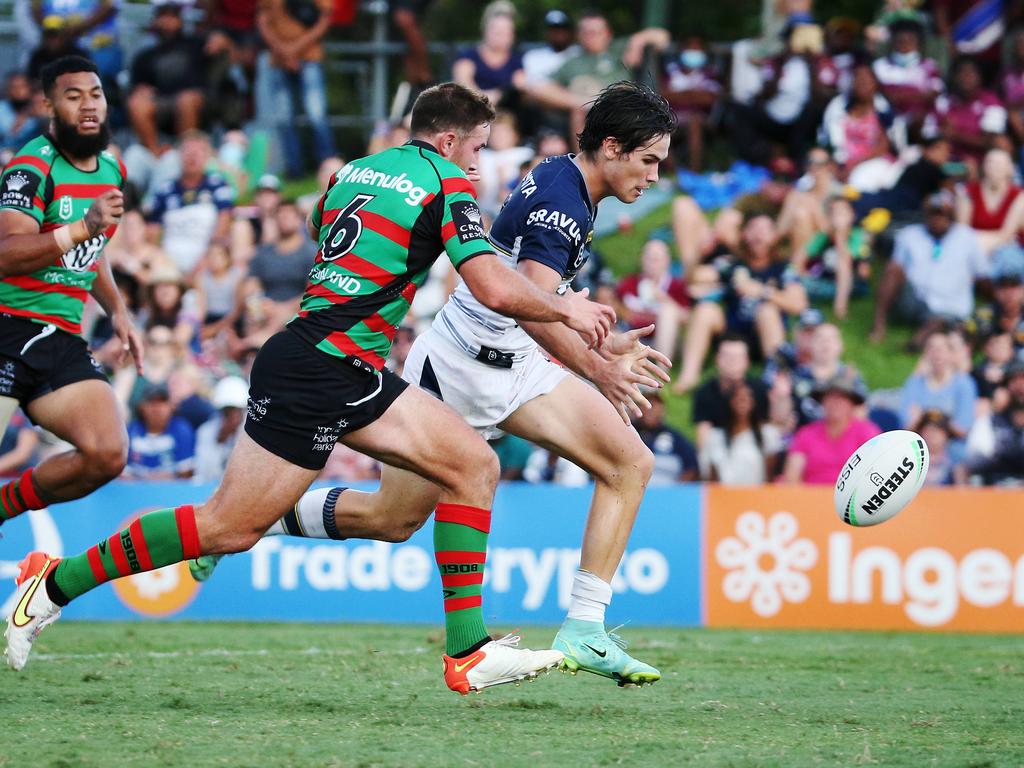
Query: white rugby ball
881,478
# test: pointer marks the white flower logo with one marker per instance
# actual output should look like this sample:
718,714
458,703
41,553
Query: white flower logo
765,562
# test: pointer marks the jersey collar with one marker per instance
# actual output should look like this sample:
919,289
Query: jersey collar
583,183
422,145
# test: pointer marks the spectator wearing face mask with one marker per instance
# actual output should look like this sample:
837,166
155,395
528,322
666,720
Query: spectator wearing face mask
910,81
692,87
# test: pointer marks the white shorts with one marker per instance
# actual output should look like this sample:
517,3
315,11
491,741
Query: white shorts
483,395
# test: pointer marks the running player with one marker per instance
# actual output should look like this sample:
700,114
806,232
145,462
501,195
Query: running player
60,201
491,371
381,225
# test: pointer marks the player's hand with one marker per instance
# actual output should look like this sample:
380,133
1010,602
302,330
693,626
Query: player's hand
646,359
130,338
592,321
105,211
620,385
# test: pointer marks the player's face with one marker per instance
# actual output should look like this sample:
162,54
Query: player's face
78,101
464,149
629,175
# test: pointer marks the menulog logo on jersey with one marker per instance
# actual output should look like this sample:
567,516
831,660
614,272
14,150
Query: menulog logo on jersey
779,557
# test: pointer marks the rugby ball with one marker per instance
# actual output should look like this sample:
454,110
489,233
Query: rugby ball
881,478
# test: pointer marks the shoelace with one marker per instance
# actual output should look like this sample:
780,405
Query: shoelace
511,640
618,639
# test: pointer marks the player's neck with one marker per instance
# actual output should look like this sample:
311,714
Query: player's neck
597,188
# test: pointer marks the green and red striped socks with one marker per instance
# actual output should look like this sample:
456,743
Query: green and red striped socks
154,540
19,496
460,548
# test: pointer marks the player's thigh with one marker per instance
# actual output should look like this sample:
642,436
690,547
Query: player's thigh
85,414
258,487
575,421
420,434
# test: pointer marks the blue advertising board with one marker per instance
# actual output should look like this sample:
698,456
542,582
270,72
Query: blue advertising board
534,551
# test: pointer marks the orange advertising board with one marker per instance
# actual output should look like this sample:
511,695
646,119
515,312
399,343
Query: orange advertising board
780,557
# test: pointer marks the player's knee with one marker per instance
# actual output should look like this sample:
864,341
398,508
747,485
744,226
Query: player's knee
105,458
400,530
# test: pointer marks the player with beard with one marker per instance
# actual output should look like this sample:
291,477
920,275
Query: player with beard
60,202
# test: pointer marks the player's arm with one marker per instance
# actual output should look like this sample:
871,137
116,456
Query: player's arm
509,293
24,249
617,372
104,290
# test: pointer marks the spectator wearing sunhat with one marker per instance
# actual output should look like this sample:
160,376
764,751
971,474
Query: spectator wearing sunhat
216,438
161,445
819,449
934,267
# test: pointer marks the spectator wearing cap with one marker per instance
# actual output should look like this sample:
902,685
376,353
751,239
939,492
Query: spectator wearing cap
939,385
934,426
493,65
970,116
254,224
53,44
91,24
167,80
746,450
185,215
931,276
836,263
539,64
760,290
278,274
692,86
293,71
819,449
161,446
654,297
1003,315
216,438
675,460
711,399
909,80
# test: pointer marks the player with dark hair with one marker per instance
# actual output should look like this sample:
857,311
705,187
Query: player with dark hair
491,370
380,226
60,202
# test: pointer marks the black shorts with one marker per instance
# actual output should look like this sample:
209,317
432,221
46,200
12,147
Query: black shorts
37,359
301,400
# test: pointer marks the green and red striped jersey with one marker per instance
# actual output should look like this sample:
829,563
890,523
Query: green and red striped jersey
40,182
383,222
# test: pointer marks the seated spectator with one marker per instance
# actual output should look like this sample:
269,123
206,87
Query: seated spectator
696,238
163,356
278,274
164,305
844,49
654,297
1004,315
500,162
1003,462
18,445
1012,87
711,399
328,167
759,291
836,263
167,80
347,465
187,214
934,426
293,71
513,455
601,62
216,288
940,386
131,253
216,438
493,65
675,460
798,352
803,208
540,64
91,24
819,449
909,80
253,224
919,180
18,122
400,346
692,87
992,205
188,386
746,450
990,373
971,117
54,44
931,277
806,379
864,133
161,446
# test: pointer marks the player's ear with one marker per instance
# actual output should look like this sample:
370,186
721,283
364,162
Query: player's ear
447,144
611,148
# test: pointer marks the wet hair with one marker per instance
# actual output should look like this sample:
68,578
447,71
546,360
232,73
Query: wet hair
628,112
63,66
449,107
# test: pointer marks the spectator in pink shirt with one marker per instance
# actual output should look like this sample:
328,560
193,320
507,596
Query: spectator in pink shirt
971,117
819,449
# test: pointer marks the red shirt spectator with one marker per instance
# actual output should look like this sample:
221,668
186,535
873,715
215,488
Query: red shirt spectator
644,294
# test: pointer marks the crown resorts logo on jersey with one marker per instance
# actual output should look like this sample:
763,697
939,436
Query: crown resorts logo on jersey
18,190
400,183
466,217
163,592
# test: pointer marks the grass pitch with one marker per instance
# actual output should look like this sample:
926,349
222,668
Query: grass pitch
299,695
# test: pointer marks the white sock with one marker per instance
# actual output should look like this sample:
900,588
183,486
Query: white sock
589,597
312,518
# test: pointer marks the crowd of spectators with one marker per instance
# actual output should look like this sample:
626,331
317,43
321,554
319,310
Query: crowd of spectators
892,152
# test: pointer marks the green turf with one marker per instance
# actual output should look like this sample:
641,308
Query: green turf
297,695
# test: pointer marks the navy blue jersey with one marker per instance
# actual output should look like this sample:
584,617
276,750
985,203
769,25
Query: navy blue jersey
549,219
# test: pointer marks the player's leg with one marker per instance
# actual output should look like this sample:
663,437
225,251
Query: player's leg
576,422
420,434
258,487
